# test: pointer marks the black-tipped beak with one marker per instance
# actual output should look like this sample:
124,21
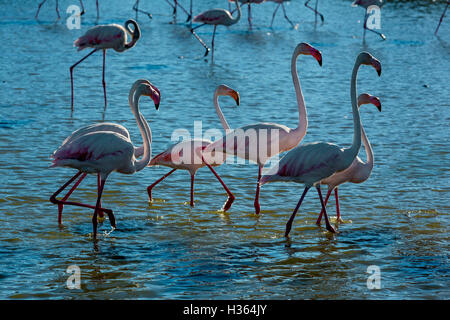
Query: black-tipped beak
157,106
320,61
379,71
238,101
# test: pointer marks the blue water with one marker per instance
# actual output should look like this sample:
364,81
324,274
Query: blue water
397,220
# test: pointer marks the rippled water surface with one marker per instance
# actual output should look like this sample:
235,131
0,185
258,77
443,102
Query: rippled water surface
397,220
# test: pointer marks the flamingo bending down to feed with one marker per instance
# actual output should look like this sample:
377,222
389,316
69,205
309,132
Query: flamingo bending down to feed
192,149
276,138
103,148
57,9
367,4
215,17
358,171
311,163
110,36
442,17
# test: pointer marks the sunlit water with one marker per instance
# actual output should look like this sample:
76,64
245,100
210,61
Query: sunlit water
397,220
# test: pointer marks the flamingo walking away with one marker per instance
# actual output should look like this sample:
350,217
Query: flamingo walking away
270,138
358,171
103,37
101,149
215,17
187,155
310,163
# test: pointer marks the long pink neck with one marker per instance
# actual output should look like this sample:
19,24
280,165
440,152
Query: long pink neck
300,131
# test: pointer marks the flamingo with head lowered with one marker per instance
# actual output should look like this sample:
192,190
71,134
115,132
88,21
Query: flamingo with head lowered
104,148
103,37
187,155
311,163
269,139
359,171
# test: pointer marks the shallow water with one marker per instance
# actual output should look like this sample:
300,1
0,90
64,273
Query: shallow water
397,220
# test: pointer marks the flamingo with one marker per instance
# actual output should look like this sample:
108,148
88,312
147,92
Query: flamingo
286,138
358,171
215,17
57,9
311,163
280,3
249,3
442,17
366,4
172,156
103,148
110,36
315,10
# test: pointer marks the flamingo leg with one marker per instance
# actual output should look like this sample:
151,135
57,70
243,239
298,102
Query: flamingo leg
71,71
97,207
338,210
258,187
327,222
315,10
98,10
326,201
39,8
57,10
199,39
285,15
231,196
192,190
98,188
136,8
103,77
442,17
60,205
274,13
249,15
150,187
82,7
291,219
365,28
212,43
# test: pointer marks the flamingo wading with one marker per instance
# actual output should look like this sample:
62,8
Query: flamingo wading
191,150
358,171
311,163
103,37
274,138
103,148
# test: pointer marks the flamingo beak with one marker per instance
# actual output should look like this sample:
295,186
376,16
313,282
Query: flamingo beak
377,65
316,54
236,97
376,102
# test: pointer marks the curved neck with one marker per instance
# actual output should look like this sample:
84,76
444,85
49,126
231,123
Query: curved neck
367,146
222,119
144,128
238,17
302,115
135,34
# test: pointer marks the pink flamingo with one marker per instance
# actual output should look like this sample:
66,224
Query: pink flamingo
249,3
57,9
311,163
172,157
358,171
286,138
366,4
103,148
215,17
280,3
111,36
442,17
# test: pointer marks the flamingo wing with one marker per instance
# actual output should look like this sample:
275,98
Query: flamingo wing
213,16
102,37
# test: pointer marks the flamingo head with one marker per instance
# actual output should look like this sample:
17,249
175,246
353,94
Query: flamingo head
153,92
367,59
224,90
365,98
307,49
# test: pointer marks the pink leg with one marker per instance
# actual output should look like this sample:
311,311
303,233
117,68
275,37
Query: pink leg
98,189
274,13
338,210
150,187
257,206
60,205
103,79
231,197
291,219
71,71
199,39
285,15
97,207
39,9
326,201
327,222
192,190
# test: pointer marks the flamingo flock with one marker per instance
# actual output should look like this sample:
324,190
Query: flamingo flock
102,148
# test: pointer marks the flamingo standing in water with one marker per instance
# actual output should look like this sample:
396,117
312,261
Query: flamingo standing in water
442,17
191,150
110,36
311,163
275,138
103,148
367,4
215,17
358,171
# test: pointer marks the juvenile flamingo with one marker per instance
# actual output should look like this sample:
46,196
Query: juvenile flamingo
442,17
110,36
275,138
358,171
57,9
366,4
101,149
215,17
311,163
191,151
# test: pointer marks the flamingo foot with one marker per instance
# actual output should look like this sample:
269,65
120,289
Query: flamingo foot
229,202
331,229
107,233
